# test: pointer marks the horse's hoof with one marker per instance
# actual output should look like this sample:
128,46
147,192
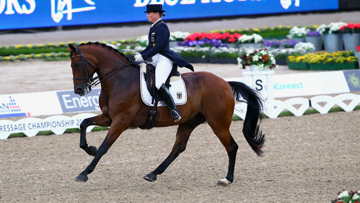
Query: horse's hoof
223,182
92,151
150,177
81,178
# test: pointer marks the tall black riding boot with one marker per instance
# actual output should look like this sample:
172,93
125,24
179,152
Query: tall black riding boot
165,94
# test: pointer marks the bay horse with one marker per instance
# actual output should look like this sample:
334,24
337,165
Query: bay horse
210,99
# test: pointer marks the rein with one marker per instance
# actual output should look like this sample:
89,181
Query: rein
98,79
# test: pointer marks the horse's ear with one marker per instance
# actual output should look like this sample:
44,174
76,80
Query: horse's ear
71,48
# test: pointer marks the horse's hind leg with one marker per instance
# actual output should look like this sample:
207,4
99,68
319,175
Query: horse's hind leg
220,124
182,137
100,120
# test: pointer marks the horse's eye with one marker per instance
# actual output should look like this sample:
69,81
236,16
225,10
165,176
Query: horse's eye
76,65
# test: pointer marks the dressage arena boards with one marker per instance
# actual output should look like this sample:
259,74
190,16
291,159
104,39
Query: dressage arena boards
308,158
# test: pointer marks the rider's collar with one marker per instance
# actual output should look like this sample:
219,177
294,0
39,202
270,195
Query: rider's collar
156,22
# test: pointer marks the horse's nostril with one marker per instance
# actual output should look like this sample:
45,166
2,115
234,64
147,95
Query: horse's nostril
78,90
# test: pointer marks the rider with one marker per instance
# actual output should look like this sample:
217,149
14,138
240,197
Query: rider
162,57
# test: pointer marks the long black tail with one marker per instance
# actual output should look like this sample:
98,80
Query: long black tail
253,136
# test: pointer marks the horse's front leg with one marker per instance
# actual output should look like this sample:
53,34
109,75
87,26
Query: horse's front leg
100,120
114,132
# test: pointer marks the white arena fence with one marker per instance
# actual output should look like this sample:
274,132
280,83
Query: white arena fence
292,86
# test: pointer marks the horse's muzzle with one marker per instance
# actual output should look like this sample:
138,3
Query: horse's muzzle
83,90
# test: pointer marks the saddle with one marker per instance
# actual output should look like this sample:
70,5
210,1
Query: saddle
149,75
148,71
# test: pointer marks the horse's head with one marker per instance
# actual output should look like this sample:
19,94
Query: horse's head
83,67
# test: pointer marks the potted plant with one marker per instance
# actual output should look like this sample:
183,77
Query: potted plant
176,37
298,62
203,43
351,36
332,36
250,41
193,54
230,39
304,47
358,54
298,33
314,37
257,60
258,68
347,197
224,55
340,60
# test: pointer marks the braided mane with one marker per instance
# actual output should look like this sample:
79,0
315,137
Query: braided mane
106,47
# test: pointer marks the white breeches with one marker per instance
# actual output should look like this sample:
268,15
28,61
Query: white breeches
163,67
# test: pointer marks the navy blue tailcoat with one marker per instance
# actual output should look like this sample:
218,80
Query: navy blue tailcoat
159,35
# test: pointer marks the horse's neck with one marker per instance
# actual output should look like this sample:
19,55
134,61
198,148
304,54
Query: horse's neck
117,72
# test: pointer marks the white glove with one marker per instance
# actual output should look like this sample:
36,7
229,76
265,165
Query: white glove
138,57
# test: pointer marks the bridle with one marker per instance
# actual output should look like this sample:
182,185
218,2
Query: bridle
91,82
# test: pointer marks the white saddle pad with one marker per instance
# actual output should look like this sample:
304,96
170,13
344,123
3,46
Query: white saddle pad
177,91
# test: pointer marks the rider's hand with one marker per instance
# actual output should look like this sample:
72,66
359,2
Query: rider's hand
138,57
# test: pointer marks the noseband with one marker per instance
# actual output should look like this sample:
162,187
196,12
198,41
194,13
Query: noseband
96,80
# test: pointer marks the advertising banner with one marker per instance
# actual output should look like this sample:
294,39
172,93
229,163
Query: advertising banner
31,126
23,14
30,104
71,102
294,85
287,85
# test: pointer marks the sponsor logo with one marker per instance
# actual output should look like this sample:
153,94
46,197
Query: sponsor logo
287,3
13,7
58,9
353,80
71,102
11,109
279,86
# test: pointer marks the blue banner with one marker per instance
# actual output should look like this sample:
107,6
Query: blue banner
23,14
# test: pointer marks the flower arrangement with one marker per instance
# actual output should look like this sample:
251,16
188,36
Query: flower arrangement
261,58
331,28
313,33
143,40
224,52
286,43
128,51
254,38
198,52
350,28
34,56
324,57
178,36
203,43
348,197
297,32
283,52
225,37
304,47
